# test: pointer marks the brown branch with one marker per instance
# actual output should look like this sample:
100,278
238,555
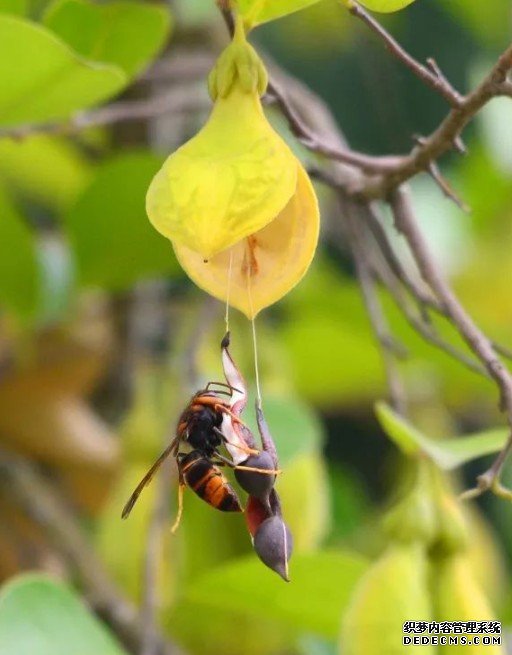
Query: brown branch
446,134
430,74
425,329
480,345
313,142
390,349
182,99
152,559
424,299
42,503
446,189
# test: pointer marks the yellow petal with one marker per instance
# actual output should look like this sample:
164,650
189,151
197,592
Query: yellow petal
267,264
226,183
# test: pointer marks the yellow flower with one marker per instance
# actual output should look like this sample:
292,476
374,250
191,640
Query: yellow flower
236,174
263,267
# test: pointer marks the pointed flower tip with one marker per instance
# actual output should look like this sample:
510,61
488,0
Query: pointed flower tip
273,544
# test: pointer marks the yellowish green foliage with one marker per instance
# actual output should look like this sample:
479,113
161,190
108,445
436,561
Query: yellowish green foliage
305,493
261,11
392,591
458,597
384,6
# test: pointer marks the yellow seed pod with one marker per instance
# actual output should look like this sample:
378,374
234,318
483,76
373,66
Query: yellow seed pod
236,174
457,597
262,268
394,590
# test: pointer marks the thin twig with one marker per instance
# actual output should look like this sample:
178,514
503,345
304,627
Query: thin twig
424,299
445,187
425,329
445,135
480,345
313,142
390,349
152,560
431,75
183,99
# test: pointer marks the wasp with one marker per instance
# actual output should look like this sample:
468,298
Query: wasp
199,427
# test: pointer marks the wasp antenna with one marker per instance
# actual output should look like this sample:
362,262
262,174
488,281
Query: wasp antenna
226,340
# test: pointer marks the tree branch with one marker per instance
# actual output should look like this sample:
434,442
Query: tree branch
182,99
390,349
474,337
430,74
446,134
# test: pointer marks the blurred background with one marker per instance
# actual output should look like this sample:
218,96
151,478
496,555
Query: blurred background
103,338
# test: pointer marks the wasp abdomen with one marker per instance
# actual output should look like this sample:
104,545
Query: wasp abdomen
208,482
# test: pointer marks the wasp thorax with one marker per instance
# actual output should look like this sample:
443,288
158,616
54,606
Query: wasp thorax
256,484
273,544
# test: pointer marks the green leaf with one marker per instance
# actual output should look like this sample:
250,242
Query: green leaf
111,237
14,7
446,453
261,11
384,6
128,34
294,426
42,79
39,616
330,343
19,269
321,587
49,170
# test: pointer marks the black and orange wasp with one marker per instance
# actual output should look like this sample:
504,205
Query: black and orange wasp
199,426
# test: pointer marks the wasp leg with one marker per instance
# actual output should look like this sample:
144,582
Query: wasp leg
181,489
244,449
221,408
224,461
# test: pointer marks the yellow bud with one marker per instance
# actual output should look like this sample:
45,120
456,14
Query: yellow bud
414,517
457,597
394,590
262,268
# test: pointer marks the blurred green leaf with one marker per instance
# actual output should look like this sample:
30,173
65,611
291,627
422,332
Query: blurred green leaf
39,616
261,11
19,270
128,34
294,426
14,7
330,343
384,6
349,501
447,453
111,237
495,28
48,170
42,79
321,586
305,495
